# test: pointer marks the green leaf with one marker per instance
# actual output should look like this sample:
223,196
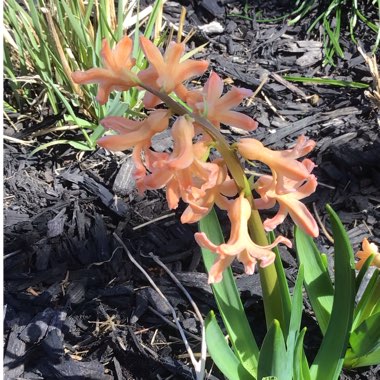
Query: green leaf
301,369
366,337
221,352
80,146
317,279
229,302
369,301
272,354
329,360
295,320
283,288
326,81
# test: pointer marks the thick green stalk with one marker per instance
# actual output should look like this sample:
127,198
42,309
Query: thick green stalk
268,276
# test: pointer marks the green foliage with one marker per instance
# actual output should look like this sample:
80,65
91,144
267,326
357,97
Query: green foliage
331,17
317,279
221,352
229,302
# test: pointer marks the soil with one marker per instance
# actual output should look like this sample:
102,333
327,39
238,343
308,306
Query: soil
75,305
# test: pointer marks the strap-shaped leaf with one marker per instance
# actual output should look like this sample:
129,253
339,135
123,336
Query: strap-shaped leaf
221,352
295,321
366,337
229,302
317,279
329,360
301,369
282,288
369,303
272,355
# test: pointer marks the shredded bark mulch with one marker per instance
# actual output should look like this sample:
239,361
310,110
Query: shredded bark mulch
75,306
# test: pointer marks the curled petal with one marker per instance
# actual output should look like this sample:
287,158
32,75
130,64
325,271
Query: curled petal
216,271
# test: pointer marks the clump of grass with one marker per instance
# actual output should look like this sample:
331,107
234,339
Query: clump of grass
332,17
48,40
331,20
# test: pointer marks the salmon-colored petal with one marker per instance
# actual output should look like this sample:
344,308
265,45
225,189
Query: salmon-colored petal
94,75
220,265
301,216
123,53
119,124
117,143
271,223
233,97
152,53
191,68
181,91
303,146
173,194
239,120
202,239
182,133
368,249
174,53
213,88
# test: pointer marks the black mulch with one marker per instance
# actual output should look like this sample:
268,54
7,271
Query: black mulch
75,306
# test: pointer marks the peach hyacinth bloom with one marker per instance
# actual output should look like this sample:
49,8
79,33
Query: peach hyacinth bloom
116,74
189,183
283,164
132,132
240,244
368,249
167,73
201,202
210,103
289,203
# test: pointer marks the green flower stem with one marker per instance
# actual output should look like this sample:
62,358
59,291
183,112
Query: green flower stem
268,276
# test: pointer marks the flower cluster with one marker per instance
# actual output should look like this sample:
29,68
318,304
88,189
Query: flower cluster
187,172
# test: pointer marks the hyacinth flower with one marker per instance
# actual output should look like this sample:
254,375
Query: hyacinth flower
289,203
283,164
368,249
183,172
131,132
210,103
201,202
116,73
240,244
167,73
